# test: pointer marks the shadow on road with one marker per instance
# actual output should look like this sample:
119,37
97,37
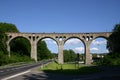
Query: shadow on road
108,73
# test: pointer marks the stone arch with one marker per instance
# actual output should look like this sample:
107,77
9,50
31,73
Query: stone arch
98,48
15,37
41,38
82,56
100,37
104,37
76,38
46,37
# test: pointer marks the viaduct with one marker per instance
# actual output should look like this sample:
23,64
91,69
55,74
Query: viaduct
60,39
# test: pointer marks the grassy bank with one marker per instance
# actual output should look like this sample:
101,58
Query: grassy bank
69,69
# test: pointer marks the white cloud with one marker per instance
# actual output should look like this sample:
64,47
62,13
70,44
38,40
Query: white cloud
94,42
49,41
79,49
73,41
94,49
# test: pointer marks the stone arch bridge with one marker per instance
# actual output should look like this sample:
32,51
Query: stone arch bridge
60,39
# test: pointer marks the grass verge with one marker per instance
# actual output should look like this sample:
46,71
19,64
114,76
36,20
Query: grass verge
69,69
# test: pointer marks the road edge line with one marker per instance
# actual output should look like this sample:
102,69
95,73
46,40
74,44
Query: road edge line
16,75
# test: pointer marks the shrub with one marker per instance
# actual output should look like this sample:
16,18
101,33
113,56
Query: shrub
110,59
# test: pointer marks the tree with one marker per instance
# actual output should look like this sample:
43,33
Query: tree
114,40
8,27
69,55
5,27
23,46
42,51
3,39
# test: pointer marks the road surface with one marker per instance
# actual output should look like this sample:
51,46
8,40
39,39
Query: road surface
108,73
5,72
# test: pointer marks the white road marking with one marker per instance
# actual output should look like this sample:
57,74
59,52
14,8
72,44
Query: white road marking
16,75
1,71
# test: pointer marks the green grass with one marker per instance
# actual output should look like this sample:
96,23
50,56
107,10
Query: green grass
69,69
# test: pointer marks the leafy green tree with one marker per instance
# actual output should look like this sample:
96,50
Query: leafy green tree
69,55
42,51
8,27
5,27
20,46
3,39
114,40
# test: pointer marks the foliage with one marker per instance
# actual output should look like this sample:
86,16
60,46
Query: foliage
4,59
23,46
113,58
42,51
3,39
8,27
109,60
114,40
69,55
5,27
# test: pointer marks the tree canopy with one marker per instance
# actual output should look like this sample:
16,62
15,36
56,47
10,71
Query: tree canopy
114,40
69,55
8,27
42,51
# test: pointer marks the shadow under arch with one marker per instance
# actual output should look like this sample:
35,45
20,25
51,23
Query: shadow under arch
20,44
81,46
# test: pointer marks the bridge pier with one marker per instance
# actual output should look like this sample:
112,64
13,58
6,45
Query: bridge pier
8,48
87,53
60,52
33,49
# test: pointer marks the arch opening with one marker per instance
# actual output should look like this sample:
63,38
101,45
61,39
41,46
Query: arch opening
98,48
47,49
72,48
20,47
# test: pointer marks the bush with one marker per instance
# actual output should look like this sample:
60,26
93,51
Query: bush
109,60
4,59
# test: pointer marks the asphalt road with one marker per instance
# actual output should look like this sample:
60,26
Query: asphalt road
4,72
34,74
30,72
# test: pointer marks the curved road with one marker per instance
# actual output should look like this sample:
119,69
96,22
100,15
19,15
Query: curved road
4,72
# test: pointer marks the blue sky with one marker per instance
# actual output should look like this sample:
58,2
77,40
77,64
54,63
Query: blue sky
61,15
97,46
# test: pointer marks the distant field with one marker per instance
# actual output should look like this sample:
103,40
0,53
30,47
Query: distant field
69,68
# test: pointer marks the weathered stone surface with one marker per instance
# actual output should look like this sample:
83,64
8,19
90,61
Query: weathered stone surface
60,39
